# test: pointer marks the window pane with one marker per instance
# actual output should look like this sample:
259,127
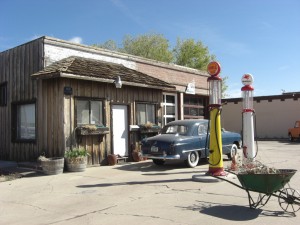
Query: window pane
170,110
141,113
3,94
83,112
151,113
96,109
182,130
168,120
202,129
170,99
26,121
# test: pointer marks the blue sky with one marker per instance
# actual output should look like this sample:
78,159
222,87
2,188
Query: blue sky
260,37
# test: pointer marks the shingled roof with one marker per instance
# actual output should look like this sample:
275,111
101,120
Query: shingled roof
96,70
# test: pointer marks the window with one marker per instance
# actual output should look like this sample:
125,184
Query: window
169,108
175,129
202,129
89,112
23,122
145,113
3,94
193,107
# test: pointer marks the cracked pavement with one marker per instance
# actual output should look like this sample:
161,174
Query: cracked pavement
142,193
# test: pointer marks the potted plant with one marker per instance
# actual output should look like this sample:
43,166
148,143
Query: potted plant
92,129
51,166
76,159
149,128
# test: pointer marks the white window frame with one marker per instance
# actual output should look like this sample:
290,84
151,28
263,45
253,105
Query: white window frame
164,106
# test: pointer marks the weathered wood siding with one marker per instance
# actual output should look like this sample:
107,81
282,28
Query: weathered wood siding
16,66
58,120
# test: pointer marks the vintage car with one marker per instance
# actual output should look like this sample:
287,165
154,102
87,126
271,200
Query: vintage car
186,140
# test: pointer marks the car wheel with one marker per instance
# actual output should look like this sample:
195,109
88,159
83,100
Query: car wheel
291,138
158,162
193,159
233,151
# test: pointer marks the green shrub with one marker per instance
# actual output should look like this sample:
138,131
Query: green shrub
76,152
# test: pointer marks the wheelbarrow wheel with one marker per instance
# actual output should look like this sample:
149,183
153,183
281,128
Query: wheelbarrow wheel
289,200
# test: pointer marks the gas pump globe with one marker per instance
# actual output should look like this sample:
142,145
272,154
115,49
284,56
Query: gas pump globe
215,90
247,92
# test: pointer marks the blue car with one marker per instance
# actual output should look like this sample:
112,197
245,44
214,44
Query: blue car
186,140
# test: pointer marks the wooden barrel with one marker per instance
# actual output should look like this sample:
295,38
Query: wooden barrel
53,166
76,164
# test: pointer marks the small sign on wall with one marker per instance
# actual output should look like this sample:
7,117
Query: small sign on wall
190,89
68,90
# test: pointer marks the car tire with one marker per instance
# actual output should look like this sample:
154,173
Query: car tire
192,159
291,138
233,151
158,162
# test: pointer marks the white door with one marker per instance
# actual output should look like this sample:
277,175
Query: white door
120,129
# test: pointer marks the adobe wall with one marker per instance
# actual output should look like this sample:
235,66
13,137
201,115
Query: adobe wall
273,116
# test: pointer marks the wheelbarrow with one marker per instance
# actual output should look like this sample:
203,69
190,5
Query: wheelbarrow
268,185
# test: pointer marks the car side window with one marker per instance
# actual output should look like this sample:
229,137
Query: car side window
202,129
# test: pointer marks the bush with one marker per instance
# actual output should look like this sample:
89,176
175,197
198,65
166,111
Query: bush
76,152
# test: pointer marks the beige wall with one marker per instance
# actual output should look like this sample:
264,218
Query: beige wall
273,118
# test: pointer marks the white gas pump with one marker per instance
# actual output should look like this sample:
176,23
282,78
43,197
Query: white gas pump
249,149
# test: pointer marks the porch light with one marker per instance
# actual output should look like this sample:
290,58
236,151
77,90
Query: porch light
118,82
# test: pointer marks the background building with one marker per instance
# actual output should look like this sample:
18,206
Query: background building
273,114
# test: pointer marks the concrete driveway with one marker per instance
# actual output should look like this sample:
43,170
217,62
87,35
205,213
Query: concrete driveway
142,193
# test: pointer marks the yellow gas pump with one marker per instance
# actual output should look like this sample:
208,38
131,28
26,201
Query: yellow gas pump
215,106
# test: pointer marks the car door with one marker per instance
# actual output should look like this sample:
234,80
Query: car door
203,134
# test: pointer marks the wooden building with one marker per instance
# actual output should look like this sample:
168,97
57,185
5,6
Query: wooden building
55,95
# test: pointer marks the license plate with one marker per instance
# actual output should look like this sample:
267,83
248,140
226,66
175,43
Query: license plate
154,149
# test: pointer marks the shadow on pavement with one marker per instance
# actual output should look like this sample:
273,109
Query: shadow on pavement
148,166
227,212
133,183
232,212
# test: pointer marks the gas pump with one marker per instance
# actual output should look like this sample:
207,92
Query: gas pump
249,151
215,140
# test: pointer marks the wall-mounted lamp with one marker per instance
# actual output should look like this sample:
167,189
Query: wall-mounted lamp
118,82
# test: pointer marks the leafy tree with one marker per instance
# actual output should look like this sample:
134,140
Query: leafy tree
110,45
224,86
192,54
151,46
189,53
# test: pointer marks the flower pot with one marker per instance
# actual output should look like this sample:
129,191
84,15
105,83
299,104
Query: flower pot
53,166
77,164
112,160
137,156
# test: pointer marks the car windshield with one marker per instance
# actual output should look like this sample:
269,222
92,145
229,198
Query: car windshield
175,129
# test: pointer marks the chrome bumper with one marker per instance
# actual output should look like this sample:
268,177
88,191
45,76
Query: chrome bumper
163,157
